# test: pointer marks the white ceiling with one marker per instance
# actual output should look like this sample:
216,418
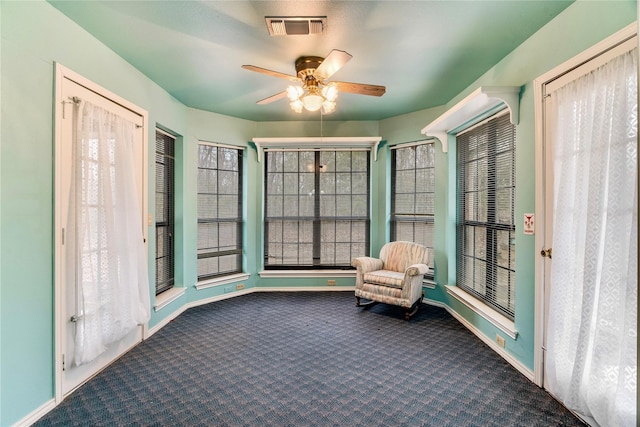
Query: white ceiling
424,52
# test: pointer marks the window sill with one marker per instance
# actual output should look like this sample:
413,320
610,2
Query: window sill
498,320
167,297
429,283
267,274
223,280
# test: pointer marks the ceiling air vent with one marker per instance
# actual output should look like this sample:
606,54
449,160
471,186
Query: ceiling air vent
295,25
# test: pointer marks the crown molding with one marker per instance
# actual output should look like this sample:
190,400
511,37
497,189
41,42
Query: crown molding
479,102
368,142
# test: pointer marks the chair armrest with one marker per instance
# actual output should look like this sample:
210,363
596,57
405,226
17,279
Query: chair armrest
412,286
417,269
366,264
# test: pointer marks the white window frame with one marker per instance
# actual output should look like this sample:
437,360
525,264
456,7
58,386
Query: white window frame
429,277
370,142
234,277
478,105
315,218
172,208
478,305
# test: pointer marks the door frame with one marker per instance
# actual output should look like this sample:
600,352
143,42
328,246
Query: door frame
62,73
542,232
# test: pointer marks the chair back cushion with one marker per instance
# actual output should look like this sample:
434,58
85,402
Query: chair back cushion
397,256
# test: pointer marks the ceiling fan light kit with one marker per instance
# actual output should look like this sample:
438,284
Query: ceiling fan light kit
312,99
316,92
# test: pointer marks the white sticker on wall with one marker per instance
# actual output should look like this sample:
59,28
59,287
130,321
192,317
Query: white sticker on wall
529,223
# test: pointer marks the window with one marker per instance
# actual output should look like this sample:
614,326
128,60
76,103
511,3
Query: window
165,210
219,211
412,194
485,226
316,208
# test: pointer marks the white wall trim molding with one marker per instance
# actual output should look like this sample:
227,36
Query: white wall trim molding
167,297
221,145
489,314
588,54
426,140
220,281
307,289
494,346
37,414
429,284
217,298
150,331
477,103
346,142
305,274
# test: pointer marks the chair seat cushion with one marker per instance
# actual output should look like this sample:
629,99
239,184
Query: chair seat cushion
392,279
385,294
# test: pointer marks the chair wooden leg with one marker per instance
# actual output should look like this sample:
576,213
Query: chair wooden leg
413,309
410,312
366,304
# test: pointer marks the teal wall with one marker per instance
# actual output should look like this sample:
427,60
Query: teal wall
208,127
580,26
34,36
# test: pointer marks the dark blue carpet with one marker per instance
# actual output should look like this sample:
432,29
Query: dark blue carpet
310,359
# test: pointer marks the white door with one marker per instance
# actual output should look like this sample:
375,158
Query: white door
69,377
584,295
546,251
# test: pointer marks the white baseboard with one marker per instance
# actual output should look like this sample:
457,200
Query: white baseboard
494,346
219,298
49,405
307,289
150,331
37,414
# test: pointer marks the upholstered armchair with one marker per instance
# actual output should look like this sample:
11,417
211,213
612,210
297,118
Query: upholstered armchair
393,278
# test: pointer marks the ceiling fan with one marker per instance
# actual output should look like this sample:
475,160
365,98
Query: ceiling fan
316,92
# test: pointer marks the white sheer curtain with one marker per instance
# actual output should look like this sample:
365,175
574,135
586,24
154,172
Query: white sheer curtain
591,360
105,241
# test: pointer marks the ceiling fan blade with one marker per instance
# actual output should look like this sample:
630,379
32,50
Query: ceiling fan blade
332,63
360,89
271,73
273,98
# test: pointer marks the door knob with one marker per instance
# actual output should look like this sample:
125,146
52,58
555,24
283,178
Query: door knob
546,253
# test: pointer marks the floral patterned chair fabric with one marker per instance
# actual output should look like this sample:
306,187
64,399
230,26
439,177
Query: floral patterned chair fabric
393,278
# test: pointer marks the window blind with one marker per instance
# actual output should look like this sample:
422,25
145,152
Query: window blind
219,211
485,225
316,208
165,211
